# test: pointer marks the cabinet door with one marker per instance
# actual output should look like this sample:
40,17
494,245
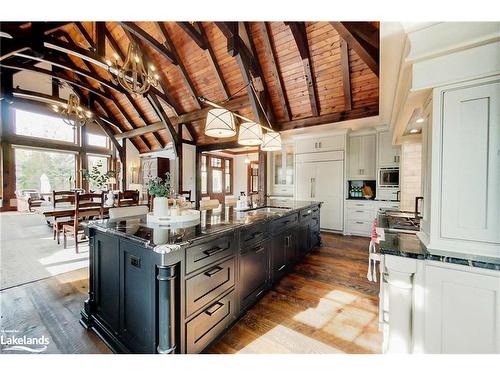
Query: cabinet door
328,188
461,311
278,251
253,273
353,158
330,143
304,237
367,157
388,155
470,173
291,247
303,146
305,174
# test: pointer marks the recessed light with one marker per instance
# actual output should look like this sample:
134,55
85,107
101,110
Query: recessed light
420,120
413,131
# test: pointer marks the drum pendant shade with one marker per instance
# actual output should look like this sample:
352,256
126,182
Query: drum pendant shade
220,123
250,134
271,141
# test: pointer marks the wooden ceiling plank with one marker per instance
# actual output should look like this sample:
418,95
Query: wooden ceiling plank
182,68
149,40
196,34
213,62
368,53
299,34
346,80
86,35
275,73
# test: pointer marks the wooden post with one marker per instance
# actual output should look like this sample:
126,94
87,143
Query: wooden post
262,175
198,177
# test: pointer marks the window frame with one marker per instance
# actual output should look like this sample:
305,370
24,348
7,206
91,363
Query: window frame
209,174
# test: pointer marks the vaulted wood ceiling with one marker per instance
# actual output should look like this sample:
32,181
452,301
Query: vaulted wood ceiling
306,73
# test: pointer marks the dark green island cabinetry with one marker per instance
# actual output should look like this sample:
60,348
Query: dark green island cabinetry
166,289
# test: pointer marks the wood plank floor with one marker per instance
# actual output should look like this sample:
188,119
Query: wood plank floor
325,305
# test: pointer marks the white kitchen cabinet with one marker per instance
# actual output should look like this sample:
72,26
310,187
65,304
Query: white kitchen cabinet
361,157
465,170
462,309
322,179
388,155
320,144
359,215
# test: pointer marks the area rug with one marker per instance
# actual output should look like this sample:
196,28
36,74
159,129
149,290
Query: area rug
29,253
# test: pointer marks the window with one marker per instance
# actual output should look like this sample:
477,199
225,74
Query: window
42,126
216,176
253,177
44,170
204,176
101,162
97,140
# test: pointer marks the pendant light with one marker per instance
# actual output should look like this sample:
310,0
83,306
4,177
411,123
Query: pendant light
271,141
250,134
72,113
220,123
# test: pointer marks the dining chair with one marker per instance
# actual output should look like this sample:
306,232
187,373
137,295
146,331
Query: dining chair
61,197
124,212
87,207
209,204
186,194
128,198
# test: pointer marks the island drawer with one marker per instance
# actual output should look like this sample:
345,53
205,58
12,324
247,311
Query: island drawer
206,253
305,214
252,235
315,222
209,284
315,211
207,325
284,223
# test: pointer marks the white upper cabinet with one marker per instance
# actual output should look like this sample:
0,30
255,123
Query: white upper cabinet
320,144
388,155
465,177
361,157
283,170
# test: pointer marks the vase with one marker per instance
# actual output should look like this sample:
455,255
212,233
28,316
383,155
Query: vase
160,206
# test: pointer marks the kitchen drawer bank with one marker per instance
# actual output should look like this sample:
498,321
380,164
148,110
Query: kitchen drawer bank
155,289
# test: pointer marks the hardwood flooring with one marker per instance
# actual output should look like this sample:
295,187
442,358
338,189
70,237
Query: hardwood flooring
325,305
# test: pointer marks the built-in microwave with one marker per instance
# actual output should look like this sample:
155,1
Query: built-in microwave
388,177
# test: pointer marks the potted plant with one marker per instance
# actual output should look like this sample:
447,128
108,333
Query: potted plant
98,178
160,189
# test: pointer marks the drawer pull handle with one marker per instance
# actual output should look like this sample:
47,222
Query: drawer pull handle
359,222
214,308
259,250
254,235
214,250
281,268
359,211
258,294
213,271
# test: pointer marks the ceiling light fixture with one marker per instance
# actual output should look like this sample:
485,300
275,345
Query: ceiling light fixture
271,142
133,75
413,131
220,123
72,112
250,134
420,120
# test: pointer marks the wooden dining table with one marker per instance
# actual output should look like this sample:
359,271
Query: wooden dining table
50,211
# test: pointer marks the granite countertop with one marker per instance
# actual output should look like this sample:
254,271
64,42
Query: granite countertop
212,222
409,246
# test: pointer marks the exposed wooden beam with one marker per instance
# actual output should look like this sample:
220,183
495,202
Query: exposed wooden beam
218,146
299,34
52,60
168,125
232,105
195,34
53,74
149,40
346,78
330,118
213,61
86,35
368,52
182,68
100,38
269,51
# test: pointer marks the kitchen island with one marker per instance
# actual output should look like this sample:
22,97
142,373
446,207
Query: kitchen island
176,289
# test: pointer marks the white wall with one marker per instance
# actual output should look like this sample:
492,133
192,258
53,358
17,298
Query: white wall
240,172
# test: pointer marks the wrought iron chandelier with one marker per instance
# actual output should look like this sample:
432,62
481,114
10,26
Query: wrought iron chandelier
133,75
73,113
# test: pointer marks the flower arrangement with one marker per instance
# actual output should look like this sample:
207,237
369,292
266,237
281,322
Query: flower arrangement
158,187
97,177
